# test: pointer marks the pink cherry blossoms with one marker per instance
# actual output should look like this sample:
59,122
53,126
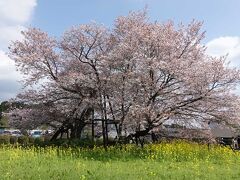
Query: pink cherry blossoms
139,73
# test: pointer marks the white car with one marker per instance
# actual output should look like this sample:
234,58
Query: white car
36,133
14,132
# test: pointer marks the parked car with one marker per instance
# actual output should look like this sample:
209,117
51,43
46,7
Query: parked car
36,133
14,132
6,132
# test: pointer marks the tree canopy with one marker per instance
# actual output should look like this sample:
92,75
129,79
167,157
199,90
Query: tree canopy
138,72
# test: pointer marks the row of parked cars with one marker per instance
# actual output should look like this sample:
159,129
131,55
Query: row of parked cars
36,133
16,133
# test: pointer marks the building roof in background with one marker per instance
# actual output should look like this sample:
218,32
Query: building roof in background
222,132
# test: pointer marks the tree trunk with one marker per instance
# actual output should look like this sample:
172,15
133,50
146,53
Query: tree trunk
57,133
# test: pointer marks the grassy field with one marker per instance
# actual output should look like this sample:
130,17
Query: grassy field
176,160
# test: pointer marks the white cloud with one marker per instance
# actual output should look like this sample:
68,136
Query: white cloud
14,14
8,34
9,78
225,45
16,11
7,68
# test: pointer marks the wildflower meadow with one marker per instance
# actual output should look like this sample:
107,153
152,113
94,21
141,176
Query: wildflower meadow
167,160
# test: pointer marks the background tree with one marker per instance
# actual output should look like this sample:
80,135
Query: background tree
3,119
5,107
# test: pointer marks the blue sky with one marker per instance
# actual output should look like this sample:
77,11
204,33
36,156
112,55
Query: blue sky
221,17
221,21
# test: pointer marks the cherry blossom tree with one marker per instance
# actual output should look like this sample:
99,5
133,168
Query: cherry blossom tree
138,73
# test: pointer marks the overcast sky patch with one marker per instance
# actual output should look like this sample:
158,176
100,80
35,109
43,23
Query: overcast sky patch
14,15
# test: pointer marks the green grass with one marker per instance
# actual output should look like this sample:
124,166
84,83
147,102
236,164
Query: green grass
176,160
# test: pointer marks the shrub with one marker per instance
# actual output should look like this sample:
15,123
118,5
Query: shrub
39,141
24,140
31,140
4,139
47,137
13,139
